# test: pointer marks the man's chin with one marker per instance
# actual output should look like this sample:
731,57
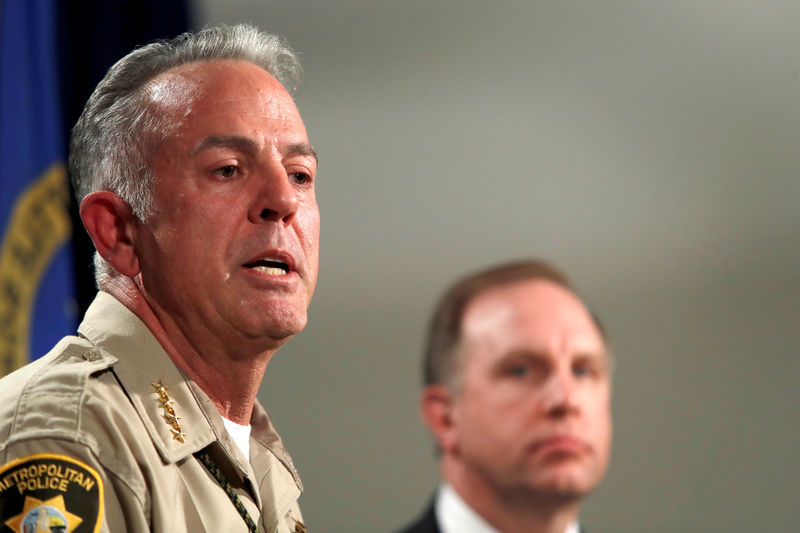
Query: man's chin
566,481
546,493
277,327
566,487
284,330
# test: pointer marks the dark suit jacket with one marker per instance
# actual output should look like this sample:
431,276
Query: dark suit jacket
425,524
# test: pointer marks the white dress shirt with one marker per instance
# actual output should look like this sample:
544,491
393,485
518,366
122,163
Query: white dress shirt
240,435
455,516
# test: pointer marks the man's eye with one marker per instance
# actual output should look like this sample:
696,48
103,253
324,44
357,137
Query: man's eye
300,178
228,171
519,371
583,371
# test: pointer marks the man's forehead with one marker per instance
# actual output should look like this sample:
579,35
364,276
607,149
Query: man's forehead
182,84
533,295
169,90
534,306
222,103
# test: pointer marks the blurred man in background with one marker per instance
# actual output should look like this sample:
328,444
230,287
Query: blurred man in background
517,395
197,185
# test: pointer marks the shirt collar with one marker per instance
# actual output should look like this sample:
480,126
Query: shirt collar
142,367
454,515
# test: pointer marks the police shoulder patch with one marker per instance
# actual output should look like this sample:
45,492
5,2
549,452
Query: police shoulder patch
50,493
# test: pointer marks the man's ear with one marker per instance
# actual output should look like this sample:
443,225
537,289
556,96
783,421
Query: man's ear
436,407
112,225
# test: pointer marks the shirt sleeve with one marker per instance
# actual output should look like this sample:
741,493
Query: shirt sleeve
61,484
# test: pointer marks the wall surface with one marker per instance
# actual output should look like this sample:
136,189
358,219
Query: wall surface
648,148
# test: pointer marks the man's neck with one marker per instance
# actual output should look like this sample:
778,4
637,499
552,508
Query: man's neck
507,514
231,382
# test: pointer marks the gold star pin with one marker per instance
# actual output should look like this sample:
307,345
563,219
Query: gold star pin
168,406
177,435
166,403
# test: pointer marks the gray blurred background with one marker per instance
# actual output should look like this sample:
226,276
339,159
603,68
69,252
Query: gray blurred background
648,148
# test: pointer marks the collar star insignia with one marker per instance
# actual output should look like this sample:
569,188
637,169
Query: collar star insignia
169,411
166,403
178,435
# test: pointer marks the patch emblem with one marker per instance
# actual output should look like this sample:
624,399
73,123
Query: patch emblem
50,493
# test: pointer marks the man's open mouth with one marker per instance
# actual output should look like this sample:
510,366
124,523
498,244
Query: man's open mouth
272,267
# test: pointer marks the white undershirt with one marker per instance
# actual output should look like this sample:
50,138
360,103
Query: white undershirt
240,435
455,516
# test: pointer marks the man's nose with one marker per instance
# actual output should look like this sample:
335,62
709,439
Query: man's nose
275,197
559,395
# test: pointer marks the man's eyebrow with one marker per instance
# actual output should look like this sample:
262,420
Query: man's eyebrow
247,145
526,353
225,141
301,149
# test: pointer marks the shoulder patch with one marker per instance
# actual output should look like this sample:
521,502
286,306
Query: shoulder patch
50,493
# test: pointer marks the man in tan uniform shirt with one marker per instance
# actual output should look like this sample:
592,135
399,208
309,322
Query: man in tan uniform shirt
197,185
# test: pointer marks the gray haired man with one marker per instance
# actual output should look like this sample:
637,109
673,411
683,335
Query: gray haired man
197,186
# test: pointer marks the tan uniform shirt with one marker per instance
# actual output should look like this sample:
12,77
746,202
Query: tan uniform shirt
89,441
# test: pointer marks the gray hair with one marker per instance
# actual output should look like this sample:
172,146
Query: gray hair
117,135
